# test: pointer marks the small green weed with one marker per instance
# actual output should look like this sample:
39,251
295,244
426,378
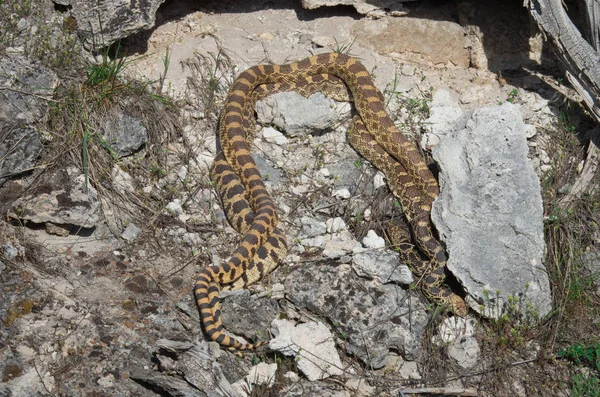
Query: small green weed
585,386
415,109
343,49
511,317
513,95
583,355
166,63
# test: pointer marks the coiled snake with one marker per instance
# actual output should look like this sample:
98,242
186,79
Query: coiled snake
252,212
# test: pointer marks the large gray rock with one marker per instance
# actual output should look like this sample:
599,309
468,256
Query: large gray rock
124,134
25,90
100,23
20,147
370,317
297,115
489,213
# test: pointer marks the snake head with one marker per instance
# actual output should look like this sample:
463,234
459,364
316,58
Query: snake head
457,305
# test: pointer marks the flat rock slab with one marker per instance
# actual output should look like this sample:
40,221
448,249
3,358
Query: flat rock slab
312,346
61,199
419,40
489,213
369,316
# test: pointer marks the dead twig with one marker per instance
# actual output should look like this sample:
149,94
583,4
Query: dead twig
446,391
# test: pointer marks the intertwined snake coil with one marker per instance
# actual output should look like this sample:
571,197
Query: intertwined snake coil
252,212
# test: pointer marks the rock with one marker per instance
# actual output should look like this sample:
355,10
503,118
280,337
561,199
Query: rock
297,115
591,265
323,41
409,370
192,239
247,315
441,98
99,25
530,131
58,230
342,193
271,135
384,266
174,207
124,134
131,232
373,241
316,242
26,88
359,387
368,316
453,328
313,346
9,251
338,244
122,180
196,362
312,227
489,213
465,351
532,82
270,174
20,147
443,115
436,42
262,374
61,199
379,180
107,381
370,8
334,225
324,172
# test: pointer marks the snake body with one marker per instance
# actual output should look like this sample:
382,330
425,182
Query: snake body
252,212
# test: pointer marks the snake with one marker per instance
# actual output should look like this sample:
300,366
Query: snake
252,211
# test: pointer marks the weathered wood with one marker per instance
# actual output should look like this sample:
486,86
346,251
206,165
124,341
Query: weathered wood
446,391
582,62
592,33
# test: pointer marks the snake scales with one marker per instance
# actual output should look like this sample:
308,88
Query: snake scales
252,212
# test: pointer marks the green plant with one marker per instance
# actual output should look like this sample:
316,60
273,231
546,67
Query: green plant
166,62
511,317
416,109
106,74
343,48
512,95
585,386
583,355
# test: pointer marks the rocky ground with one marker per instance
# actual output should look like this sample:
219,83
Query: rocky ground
109,211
